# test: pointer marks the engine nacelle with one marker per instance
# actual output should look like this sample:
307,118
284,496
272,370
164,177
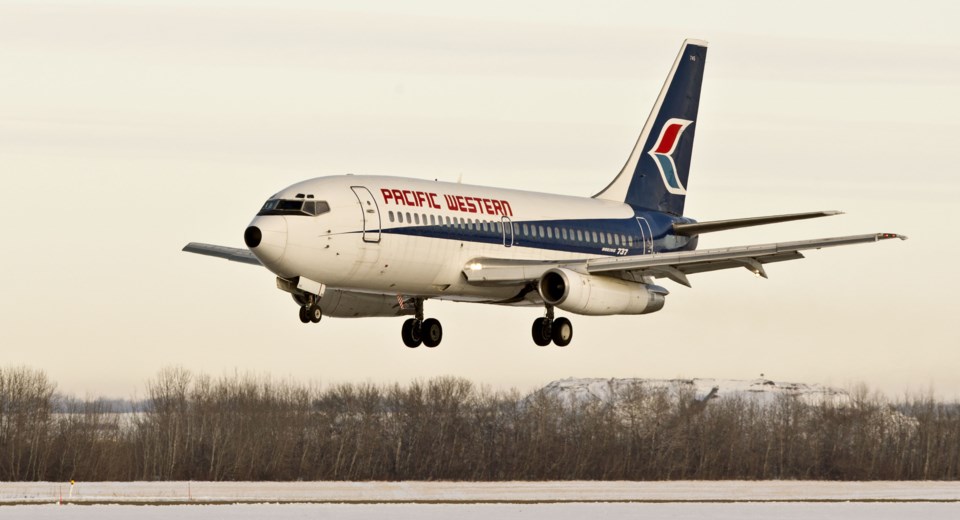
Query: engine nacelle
598,295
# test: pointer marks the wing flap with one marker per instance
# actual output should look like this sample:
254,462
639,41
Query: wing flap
674,266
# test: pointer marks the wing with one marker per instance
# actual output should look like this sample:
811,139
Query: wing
674,266
230,253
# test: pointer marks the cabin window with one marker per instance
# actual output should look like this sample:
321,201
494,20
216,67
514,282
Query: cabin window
433,220
549,233
540,234
595,240
391,216
579,235
525,230
564,231
400,217
616,240
629,241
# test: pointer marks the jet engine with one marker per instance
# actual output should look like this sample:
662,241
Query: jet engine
598,295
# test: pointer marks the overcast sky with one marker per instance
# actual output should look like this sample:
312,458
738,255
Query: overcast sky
128,129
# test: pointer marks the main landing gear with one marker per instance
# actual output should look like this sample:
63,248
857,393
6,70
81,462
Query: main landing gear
417,331
547,329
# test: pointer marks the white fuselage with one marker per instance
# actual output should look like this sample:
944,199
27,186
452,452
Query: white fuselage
414,237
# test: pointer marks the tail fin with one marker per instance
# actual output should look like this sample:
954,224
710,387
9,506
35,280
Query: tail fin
655,176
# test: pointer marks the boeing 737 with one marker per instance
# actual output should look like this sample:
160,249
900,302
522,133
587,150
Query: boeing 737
362,246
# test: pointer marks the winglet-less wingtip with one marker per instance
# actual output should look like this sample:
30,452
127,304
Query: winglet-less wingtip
887,236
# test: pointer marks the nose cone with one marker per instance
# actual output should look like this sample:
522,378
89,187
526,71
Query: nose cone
267,238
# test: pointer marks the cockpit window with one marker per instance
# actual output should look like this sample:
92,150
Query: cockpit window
308,207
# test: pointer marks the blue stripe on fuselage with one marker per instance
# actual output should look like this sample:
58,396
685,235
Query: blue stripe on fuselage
663,240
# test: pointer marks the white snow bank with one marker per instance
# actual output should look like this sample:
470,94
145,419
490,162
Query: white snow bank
608,391
738,511
133,492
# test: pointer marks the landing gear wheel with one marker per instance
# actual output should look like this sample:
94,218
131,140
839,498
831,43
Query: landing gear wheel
410,332
431,332
315,313
562,332
542,332
304,316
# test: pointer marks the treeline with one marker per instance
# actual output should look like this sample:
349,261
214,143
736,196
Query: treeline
247,428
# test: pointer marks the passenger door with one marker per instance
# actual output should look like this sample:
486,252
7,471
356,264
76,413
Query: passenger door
371,214
646,235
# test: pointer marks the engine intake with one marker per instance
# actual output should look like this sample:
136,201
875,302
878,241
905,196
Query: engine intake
598,295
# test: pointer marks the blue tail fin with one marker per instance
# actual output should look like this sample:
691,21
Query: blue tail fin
655,176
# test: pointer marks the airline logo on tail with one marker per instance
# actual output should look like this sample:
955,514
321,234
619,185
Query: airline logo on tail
662,153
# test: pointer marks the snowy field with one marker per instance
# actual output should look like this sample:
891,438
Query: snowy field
470,500
484,492
676,511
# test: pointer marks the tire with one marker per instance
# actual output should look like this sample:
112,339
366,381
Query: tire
562,332
541,332
304,317
407,333
315,313
431,332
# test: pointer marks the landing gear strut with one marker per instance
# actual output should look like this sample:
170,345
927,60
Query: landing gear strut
417,331
547,329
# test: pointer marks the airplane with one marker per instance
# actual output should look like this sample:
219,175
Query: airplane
358,246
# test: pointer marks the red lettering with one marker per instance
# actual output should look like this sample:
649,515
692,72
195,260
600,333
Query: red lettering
473,208
421,197
460,204
497,208
407,193
451,202
506,208
397,197
433,201
487,206
386,195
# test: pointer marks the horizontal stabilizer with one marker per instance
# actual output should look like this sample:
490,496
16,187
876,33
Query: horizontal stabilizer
696,228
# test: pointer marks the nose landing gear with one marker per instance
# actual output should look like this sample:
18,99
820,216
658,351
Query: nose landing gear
310,311
547,329
417,331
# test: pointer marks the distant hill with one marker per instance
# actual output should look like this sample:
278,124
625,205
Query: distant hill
574,391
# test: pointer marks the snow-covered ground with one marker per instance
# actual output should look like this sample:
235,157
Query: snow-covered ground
764,391
160,492
713,511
